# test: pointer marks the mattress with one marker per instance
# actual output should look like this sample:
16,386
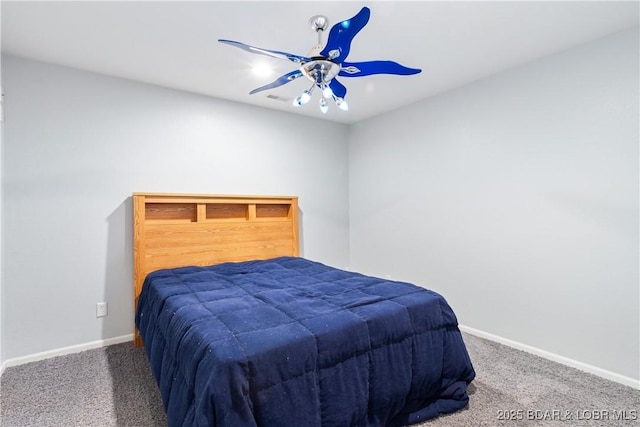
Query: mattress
293,342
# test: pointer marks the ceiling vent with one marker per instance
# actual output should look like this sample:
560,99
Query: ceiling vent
279,98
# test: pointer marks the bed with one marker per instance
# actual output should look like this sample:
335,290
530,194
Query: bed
242,331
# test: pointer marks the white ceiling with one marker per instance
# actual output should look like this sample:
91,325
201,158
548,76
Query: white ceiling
174,44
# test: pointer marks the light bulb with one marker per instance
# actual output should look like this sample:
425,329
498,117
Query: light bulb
324,107
327,92
305,97
302,99
342,104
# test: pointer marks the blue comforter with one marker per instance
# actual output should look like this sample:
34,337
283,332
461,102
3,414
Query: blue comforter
291,342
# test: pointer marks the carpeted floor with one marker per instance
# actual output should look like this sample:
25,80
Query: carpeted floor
113,386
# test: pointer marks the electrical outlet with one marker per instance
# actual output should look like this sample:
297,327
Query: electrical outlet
101,309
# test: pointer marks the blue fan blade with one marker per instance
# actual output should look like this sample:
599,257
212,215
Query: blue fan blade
279,81
273,53
360,69
342,34
338,88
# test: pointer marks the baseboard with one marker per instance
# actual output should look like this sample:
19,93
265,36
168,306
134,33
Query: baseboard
603,373
65,350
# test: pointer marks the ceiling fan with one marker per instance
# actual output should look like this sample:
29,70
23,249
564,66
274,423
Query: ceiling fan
325,62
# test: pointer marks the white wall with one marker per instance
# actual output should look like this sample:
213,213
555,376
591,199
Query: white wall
517,198
78,144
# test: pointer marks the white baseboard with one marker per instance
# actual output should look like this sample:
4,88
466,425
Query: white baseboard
64,351
603,373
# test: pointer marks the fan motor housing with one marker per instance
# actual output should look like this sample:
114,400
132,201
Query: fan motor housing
320,70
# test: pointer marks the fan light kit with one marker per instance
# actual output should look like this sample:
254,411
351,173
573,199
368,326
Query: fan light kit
325,62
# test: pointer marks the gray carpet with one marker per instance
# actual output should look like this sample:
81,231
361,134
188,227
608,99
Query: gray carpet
113,386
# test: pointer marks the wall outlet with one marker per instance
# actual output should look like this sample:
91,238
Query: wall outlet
101,309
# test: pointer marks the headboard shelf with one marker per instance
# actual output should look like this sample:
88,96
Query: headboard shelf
211,198
173,230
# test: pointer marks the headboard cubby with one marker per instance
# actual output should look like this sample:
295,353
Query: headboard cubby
175,230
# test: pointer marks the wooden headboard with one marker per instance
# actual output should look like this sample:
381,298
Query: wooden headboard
174,230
